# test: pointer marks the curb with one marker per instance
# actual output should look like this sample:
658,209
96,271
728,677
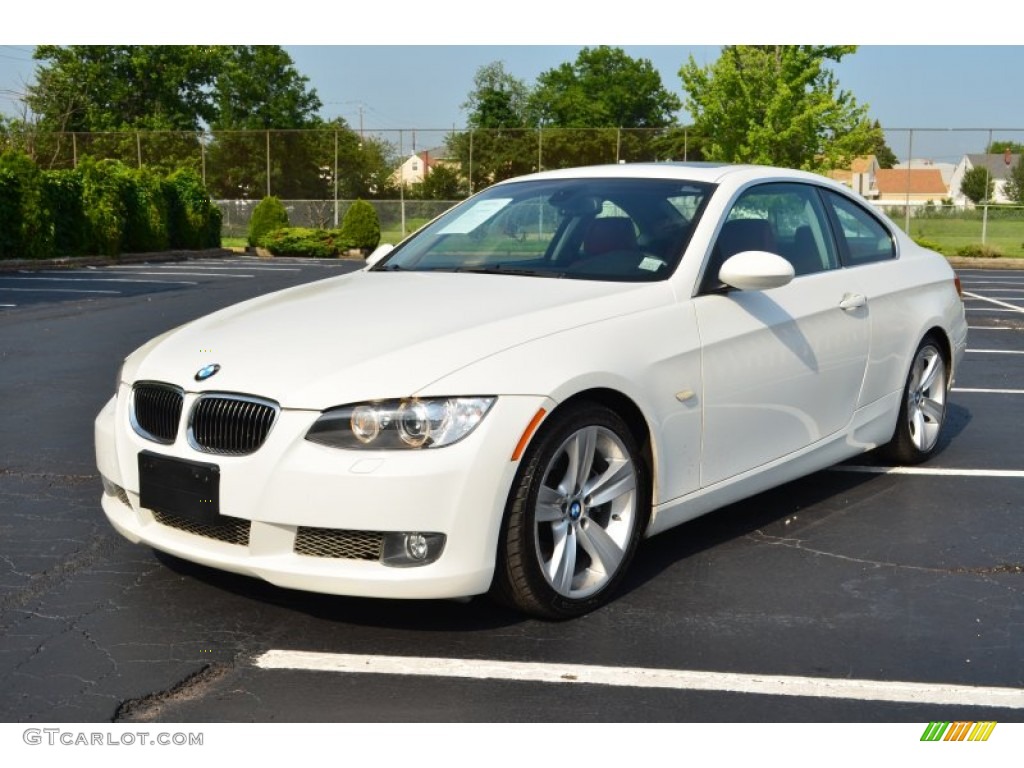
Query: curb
74,262
960,262
155,257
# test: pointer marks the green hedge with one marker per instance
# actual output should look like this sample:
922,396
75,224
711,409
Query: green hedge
309,243
66,203
268,215
361,227
192,220
25,220
100,207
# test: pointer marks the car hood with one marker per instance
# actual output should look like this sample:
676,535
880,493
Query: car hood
372,335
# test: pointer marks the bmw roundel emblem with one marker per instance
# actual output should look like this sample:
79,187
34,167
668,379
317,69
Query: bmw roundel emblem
207,371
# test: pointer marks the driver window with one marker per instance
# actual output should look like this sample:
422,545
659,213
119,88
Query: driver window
784,219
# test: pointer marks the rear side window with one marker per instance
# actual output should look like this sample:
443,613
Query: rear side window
863,239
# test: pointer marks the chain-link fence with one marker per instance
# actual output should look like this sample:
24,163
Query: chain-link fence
398,218
312,164
319,171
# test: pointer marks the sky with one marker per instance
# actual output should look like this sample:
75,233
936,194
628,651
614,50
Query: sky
376,72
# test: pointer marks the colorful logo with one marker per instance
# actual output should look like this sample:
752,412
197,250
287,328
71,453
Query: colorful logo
207,371
960,731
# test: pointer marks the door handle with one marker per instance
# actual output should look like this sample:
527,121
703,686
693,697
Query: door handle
853,301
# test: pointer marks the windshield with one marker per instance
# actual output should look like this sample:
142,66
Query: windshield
594,229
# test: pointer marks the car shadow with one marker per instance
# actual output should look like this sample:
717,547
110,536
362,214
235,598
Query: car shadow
808,496
769,508
463,615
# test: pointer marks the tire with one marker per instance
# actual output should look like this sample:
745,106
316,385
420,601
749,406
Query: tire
578,506
923,409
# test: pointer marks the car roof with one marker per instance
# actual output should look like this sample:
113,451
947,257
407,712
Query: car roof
714,173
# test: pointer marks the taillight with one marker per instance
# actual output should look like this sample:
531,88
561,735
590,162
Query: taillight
959,288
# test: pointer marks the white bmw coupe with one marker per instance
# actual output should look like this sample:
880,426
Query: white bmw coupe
516,395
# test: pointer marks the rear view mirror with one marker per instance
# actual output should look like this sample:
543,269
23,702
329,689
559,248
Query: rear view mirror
756,271
379,253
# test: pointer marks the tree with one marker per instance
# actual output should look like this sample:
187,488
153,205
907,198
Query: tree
268,215
1014,186
603,107
441,183
977,184
498,99
999,147
361,228
603,88
89,88
777,105
500,142
110,88
679,143
258,87
882,151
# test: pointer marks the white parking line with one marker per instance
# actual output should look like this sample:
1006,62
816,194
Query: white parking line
989,391
642,677
1005,298
251,269
992,309
927,471
997,351
56,290
991,328
199,274
993,301
103,280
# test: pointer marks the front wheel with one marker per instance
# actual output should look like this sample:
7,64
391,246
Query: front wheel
923,409
579,504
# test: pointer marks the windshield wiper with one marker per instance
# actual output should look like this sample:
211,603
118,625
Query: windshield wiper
501,269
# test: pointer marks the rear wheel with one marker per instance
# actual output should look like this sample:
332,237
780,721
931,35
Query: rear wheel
579,504
923,409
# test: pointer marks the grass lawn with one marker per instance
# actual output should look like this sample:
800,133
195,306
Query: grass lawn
1007,235
949,234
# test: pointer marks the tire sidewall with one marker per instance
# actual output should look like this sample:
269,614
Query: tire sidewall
524,583
902,448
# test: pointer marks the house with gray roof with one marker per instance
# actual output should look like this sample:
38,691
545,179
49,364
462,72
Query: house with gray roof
999,167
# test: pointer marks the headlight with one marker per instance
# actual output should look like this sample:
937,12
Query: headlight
428,423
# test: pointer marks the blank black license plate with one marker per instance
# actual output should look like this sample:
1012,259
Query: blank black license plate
188,489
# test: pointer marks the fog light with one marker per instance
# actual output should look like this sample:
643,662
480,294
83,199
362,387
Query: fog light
402,550
416,546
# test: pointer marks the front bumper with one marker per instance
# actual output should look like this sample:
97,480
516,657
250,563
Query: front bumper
291,486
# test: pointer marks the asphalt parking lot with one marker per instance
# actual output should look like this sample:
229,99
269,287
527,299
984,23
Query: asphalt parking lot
861,593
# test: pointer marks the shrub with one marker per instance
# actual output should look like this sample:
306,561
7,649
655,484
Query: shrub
929,244
979,251
145,206
268,215
103,199
361,228
26,224
63,191
193,221
309,243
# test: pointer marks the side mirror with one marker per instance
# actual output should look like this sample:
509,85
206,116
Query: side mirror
756,271
379,253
